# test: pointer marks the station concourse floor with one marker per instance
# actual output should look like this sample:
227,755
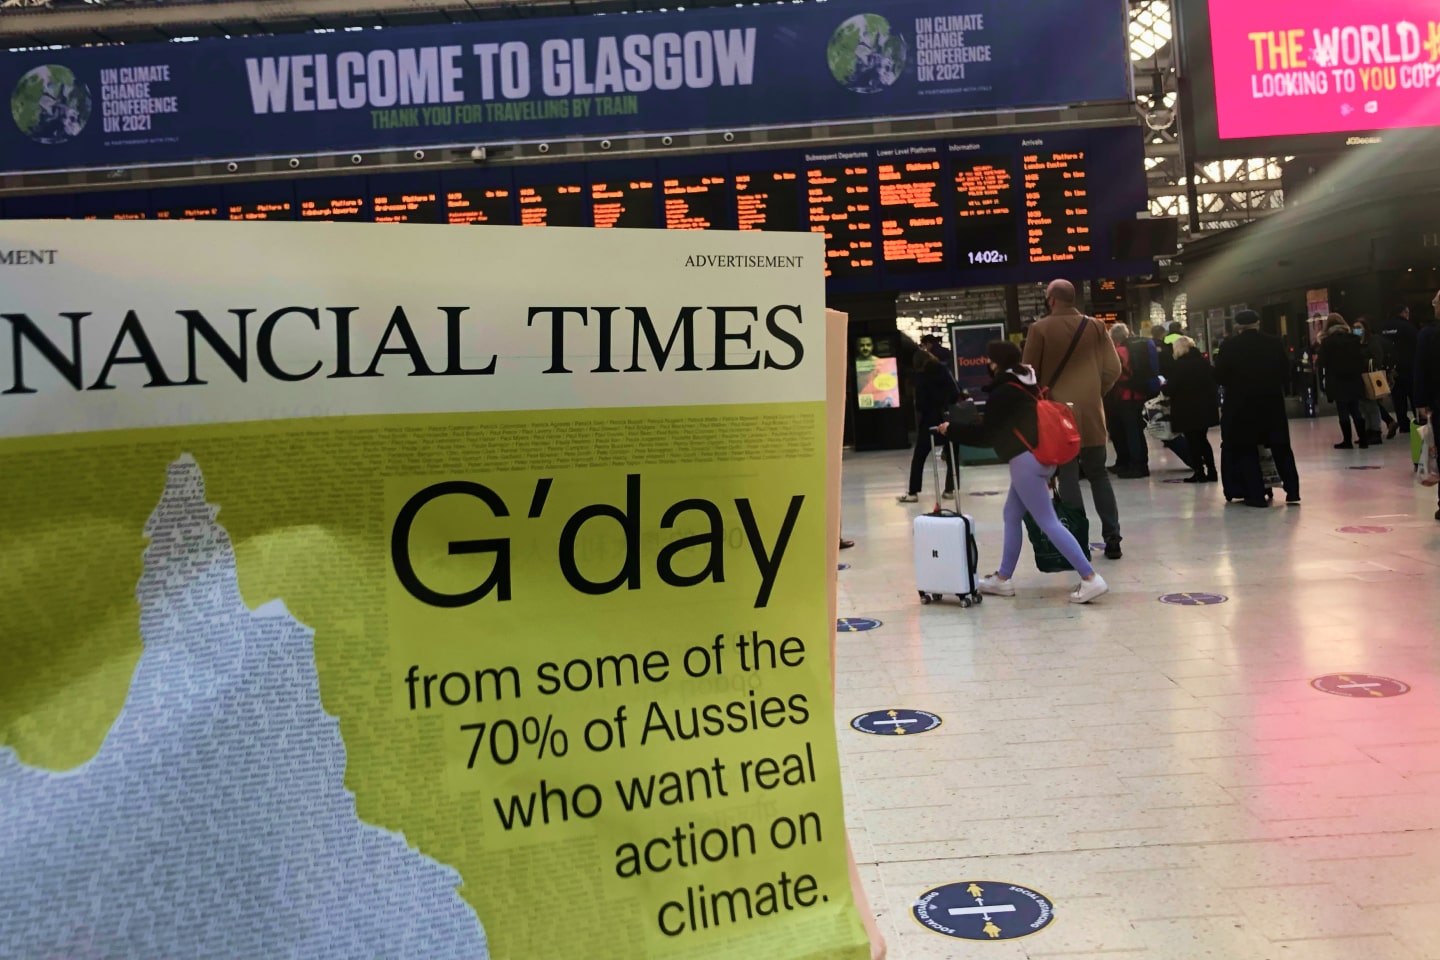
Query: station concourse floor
1165,774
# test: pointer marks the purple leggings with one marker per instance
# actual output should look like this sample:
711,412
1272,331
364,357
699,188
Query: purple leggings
1030,492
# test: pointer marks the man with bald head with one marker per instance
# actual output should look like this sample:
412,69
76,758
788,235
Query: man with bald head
1072,355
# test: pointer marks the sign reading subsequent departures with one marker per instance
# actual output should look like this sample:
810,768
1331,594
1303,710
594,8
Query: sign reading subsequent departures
1057,206
912,221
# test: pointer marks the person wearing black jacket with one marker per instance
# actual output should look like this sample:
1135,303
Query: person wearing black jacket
935,391
1342,360
1252,369
1194,406
1010,427
1403,337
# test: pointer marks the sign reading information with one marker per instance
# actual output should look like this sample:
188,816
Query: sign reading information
454,598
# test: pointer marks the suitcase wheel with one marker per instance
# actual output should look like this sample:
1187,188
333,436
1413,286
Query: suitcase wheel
966,602
978,597
925,598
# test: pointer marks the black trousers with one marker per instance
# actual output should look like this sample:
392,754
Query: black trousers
1350,410
1404,410
1202,455
923,449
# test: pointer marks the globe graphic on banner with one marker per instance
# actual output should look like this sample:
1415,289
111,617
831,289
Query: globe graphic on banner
49,105
865,55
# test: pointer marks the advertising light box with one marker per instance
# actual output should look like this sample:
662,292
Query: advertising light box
1295,76
1296,66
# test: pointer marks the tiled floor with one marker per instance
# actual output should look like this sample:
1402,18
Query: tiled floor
1165,774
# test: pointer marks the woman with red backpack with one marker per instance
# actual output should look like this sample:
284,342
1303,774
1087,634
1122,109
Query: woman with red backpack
1026,431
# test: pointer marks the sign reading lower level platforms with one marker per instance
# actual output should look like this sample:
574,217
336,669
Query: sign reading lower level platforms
1360,685
984,910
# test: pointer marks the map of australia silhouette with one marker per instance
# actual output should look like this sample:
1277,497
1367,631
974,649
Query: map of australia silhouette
214,821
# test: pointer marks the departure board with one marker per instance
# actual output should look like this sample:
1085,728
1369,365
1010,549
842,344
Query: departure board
401,207
842,208
627,204
333,208
116,215
477,206
1057,206
768,201
188,213
274,210
552,205
912,223
1107,293
694,203
986,228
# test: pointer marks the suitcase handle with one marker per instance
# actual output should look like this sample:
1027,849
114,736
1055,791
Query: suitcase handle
938,445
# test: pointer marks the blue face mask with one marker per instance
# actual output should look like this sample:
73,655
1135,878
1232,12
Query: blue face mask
1359,332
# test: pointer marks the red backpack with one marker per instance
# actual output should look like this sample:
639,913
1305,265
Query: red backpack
1057,433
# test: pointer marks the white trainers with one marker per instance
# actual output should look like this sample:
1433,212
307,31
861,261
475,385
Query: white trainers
1090,590
907,498
948,495
993,586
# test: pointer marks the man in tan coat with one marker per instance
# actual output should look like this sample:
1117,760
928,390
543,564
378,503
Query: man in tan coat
1082,382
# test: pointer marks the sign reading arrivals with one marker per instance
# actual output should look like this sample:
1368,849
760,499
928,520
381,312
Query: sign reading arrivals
552,79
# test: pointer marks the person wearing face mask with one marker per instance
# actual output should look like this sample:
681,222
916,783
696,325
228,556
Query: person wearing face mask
1010,428
1342,361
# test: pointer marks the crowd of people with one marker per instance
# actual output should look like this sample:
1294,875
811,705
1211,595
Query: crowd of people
1111,378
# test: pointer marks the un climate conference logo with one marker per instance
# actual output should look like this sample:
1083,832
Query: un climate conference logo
50,105
866,55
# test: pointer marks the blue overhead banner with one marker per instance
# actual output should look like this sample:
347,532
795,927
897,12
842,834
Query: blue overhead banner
554,79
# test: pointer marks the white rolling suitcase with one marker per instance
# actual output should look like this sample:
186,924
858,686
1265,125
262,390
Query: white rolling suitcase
946,554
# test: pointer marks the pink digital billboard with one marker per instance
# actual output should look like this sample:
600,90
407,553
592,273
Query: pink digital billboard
1287,67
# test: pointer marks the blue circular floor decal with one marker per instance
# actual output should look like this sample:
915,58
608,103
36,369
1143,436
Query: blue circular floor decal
1194,599
986,493
856,624
984,910
896,723
844,566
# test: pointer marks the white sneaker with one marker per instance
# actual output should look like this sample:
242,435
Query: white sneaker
1090,590
948,495
907,498
995,587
